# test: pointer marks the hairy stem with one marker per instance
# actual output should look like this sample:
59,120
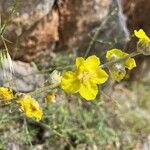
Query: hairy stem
43,89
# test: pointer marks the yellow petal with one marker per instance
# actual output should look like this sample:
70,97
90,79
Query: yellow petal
101,76
116,53
69,82
6,94
141,35
88,90
79,62
92,62
130,63
38,115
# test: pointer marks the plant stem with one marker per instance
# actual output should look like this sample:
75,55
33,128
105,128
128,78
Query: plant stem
43,89
28,134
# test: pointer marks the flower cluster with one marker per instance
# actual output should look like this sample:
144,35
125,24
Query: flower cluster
88,73
84,79
27,104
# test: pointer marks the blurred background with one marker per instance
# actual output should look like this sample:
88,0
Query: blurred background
47,34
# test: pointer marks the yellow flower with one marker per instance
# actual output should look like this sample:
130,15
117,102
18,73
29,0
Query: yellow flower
85,78
30,107
141,35
6,94
117,70
143,44
50,97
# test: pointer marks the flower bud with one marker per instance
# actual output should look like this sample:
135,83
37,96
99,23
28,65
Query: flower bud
117,71
143,47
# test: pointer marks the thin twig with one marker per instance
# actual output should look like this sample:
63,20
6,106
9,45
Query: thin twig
97,33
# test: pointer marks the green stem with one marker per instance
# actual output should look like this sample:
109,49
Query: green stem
28,134
43,89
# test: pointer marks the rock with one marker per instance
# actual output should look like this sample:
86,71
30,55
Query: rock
146,143
52,24
143,144
78,23
32,28
26,77
30,11
77,20
62,25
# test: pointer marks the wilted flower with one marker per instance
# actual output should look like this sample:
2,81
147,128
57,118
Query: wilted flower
54,78
6,94
143,45
117,70
30,107
85,78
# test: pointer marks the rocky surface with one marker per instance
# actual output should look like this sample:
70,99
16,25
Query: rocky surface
26,77
78,18
53,24
32,28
